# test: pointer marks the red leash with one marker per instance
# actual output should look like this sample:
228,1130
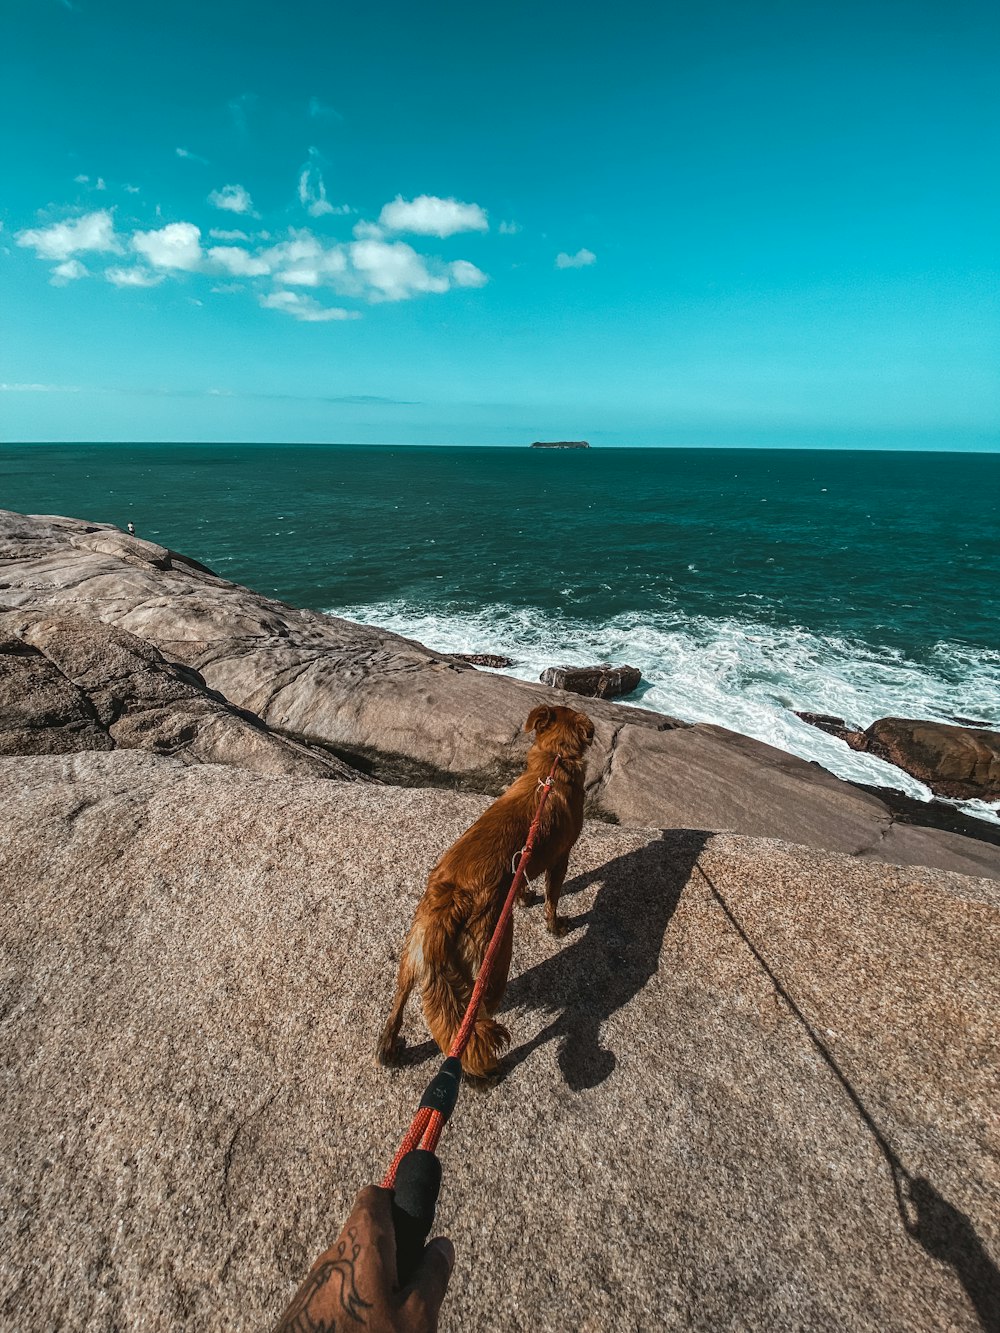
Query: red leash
416,1185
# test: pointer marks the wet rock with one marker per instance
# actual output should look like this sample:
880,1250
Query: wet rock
961,763
835,726
495,660
603,681
405,715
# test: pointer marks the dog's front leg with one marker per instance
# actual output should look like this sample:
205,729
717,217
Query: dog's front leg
554,876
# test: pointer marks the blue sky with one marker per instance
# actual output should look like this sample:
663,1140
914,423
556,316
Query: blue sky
759,224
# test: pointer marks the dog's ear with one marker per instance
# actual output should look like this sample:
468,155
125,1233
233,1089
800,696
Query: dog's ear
585,727
539,718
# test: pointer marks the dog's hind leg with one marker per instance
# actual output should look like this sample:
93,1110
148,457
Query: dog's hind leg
389,1044
554,877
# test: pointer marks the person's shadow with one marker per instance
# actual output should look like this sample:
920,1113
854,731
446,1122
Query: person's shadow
587,980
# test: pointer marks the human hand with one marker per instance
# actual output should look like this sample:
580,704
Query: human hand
353,1283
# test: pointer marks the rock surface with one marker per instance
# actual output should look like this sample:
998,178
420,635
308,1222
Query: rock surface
718,1080
68,683
495,660
602,681
960,762
395,709
835,726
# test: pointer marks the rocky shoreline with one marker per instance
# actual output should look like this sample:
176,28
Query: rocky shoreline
218,814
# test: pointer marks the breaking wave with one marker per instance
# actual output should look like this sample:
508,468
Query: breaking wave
747,676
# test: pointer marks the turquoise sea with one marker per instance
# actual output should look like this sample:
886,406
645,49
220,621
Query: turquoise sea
744,583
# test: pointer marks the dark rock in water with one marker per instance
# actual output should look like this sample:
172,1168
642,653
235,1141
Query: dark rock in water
954,761
835,726
560,444
495,660
957,762
603,681
970,722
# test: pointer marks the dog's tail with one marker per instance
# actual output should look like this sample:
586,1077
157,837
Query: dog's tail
447,982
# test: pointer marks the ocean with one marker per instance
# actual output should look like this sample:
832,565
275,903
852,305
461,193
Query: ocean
745,584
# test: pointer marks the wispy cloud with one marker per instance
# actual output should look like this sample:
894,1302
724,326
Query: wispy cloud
218,234
312,189
427,215
305,308
39,388
239,109
509,228
188,156
131,189
232,199
133,277
321,111
582,259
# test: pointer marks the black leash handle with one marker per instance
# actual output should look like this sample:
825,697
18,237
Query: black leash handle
418,1180
418,1177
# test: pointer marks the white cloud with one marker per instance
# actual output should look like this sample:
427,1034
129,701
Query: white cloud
509,228
39,388
305,308
232,199
238,262
94,231
368,231
99,184
131,189
312,190
393,270
82,180
371,267
68,271
427,215
218,234
188,156
464,274
133,277
175,246
304,261
580,260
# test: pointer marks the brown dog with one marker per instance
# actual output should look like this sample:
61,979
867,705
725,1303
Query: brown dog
466,890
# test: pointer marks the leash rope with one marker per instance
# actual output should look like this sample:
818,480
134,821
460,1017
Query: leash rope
441,1093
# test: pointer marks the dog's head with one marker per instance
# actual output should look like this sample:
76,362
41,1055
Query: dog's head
561,730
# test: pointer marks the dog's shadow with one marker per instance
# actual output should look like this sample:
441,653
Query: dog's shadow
588,980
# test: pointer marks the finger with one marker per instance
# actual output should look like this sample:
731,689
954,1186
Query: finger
372,1223
431,1280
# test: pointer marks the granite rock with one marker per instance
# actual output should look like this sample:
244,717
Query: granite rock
404,714
70,683
958,762
755,1087
603,681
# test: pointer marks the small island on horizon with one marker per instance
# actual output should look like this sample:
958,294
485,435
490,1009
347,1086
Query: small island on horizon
560,444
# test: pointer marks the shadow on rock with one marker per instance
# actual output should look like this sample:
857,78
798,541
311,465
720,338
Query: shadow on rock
947,1234
942,1230
609,964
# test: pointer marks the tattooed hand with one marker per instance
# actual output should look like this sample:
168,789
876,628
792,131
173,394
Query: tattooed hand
353,1284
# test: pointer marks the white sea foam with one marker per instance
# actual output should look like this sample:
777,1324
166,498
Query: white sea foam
743,675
